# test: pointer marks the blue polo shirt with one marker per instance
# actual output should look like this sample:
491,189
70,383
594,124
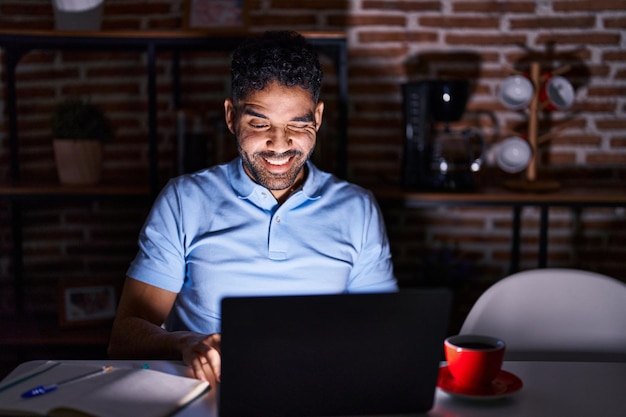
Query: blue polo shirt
217,233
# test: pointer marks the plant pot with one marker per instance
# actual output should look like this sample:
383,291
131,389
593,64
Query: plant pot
78,162
77,14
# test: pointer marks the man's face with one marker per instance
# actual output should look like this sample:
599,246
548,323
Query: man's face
276,130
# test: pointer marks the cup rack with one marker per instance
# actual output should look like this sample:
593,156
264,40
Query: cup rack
530,182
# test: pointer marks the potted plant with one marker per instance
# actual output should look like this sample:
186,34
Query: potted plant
78,14
78,130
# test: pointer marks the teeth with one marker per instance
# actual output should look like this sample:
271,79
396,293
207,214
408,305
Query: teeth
278,161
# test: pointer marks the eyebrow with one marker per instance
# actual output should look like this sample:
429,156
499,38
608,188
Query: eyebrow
251,112
307,118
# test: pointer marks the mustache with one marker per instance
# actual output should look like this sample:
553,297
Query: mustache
287,154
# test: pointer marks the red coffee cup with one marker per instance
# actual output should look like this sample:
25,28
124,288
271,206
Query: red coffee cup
556,93
474,360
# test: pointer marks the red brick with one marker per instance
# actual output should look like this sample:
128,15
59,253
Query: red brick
574,139
400,36
606,158
357,53
595,38
618,142
605,124
579,53
583,22
269,20
352,20
494,6
614,55
459,22
379,70
606,91
484,40
311,5
615,23
594,107
402,5
588,5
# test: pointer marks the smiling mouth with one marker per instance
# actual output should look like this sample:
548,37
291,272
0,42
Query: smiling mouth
278,161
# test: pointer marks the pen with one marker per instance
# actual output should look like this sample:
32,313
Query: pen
44,389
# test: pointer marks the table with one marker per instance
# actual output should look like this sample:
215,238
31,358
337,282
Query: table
550,389
573,389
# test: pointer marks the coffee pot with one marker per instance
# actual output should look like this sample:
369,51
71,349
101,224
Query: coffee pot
436,158
457,157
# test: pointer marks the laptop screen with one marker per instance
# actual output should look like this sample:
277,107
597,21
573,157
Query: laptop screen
330,355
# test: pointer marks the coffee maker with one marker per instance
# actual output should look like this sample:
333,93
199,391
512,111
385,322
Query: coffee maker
436,157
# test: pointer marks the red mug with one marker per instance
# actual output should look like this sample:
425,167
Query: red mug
474,360
556,93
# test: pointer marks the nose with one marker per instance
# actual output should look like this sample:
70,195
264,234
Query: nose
279,139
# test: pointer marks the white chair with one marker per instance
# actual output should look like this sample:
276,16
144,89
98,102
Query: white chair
554,314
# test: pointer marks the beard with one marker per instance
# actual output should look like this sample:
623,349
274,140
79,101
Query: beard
256,166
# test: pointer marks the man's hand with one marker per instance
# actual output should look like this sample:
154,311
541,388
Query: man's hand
137,333
202,355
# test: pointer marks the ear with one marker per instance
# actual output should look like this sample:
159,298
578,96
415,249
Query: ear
230,115
319,111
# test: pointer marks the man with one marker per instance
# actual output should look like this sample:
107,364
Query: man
268,222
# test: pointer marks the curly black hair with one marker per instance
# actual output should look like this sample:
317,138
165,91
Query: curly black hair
282,56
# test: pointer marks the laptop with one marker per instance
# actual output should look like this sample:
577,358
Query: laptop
332,355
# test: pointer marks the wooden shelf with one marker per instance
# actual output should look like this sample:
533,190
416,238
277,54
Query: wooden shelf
152,34
612,194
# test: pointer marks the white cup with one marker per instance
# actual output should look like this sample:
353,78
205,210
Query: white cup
516,92
557,93
513,154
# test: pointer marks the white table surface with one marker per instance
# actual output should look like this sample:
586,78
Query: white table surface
551,389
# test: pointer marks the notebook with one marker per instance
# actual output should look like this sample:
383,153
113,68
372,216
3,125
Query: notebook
332,355
67,389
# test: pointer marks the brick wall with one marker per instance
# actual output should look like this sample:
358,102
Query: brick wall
390,42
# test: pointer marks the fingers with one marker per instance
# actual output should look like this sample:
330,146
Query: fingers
214,357
204,359
207,367
198,370
214,363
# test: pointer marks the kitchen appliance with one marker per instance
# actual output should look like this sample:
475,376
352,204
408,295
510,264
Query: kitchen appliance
437,157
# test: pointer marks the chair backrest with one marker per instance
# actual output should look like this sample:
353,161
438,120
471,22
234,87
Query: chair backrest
554,314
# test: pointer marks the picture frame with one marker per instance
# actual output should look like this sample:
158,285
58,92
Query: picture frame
215,15
87,303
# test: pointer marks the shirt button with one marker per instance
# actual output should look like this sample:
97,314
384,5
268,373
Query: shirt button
277,219
264,194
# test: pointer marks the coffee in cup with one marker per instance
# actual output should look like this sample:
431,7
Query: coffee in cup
474,360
